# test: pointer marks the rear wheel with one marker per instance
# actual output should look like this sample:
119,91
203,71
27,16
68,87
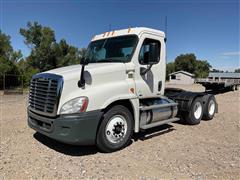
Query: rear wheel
210,108
237,87
195,113
116,129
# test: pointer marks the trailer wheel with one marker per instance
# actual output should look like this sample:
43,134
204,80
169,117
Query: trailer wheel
210,108
195,113
115,130
237,87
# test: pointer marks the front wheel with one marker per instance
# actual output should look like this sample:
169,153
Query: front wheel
115,130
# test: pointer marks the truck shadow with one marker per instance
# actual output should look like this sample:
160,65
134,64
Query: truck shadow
153,132
72,150
75,150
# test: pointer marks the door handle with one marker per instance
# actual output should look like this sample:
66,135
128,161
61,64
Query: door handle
159,85
130,70
130,73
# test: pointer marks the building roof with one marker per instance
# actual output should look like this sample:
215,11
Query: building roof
137,31
183,72
224,75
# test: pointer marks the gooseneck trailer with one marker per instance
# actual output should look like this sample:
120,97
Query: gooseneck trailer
121,90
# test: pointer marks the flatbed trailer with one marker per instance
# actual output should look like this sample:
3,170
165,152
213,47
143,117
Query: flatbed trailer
219,84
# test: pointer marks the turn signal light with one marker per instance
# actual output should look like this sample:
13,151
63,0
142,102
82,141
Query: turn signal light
132,90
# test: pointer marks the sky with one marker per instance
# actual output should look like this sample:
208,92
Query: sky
208,28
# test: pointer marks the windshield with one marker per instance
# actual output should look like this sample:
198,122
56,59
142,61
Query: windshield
116,49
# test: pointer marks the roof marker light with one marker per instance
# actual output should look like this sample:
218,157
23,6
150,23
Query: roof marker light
113,33
108,33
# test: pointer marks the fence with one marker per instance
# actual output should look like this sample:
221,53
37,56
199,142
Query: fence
1,82
11,84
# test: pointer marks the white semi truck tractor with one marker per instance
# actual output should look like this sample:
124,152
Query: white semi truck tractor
117,90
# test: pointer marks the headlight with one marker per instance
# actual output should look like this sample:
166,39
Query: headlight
75,105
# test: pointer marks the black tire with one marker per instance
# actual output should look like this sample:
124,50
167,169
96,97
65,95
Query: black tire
237,87
207,113
102,141
190,117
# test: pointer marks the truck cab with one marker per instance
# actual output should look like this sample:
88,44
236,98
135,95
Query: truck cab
118,89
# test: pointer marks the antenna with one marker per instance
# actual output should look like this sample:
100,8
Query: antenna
165,39
166,28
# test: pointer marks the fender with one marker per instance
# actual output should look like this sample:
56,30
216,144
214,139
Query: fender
182,97
135,106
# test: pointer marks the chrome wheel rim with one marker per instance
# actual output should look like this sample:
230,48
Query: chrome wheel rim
197,110
211,107
116,129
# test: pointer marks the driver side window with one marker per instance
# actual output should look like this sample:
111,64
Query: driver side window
144,54
99,53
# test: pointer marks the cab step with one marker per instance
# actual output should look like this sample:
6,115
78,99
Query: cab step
147,126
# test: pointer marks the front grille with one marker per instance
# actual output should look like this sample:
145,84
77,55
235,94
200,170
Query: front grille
44,93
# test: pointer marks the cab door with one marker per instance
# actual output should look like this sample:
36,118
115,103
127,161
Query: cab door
150,66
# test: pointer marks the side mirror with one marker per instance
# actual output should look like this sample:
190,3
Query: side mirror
153,53
81,82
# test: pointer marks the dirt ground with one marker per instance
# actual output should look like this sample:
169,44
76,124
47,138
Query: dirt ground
210,150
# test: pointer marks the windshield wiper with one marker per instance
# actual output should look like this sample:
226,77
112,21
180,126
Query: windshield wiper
109,60
104,60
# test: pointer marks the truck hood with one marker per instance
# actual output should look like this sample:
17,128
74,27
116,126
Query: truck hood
91,70
98,76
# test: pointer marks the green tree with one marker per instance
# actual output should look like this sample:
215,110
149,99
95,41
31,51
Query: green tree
189,63
8,61
170,69
237,70
27,71
186,62
202,69
217,70
8,57
46,53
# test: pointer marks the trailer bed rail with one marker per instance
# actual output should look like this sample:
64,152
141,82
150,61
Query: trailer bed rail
216,84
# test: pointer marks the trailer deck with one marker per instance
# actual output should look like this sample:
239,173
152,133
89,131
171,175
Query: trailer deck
217,84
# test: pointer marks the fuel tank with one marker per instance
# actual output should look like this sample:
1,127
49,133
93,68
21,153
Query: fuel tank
157,114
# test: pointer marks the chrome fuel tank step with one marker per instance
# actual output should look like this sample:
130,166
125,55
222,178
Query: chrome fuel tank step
147,126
